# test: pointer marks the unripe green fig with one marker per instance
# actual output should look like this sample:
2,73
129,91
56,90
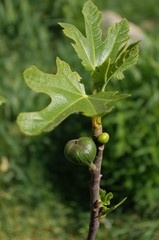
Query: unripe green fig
103,138
81,151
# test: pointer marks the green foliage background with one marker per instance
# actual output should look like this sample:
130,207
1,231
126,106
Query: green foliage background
42,196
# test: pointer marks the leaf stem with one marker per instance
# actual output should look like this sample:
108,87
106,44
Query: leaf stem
95,180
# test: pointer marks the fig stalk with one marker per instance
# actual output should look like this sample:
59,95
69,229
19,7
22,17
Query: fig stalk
95,180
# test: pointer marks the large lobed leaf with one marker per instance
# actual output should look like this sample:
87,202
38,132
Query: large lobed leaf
67,96
91,49
106,59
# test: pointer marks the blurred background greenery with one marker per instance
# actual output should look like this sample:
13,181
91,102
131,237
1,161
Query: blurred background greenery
42,196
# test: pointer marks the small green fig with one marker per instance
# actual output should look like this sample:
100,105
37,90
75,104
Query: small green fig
103,138
81,151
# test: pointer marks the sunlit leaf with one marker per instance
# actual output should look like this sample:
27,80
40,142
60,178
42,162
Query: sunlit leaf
117,36
106,59
90,48
126,58
67,96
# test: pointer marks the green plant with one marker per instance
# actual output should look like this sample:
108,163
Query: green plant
105,60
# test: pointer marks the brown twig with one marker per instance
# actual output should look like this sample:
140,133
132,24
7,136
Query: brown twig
95,180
